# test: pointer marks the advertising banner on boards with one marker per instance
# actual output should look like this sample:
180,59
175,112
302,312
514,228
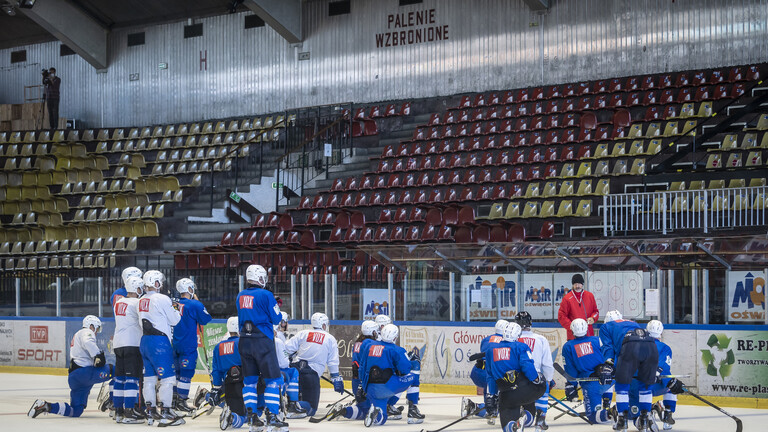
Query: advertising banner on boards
732,363
488,292
745,300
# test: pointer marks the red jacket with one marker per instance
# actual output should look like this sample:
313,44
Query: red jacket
570,309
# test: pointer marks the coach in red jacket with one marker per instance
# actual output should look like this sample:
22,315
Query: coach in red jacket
578,304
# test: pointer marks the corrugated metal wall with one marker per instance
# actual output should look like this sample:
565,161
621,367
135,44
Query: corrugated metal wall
491,44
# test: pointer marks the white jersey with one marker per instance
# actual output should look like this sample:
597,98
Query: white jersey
281,335
127,323
318,348
158,309
542,356
282,356
83,347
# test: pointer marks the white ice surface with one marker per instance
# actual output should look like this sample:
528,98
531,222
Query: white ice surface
19,391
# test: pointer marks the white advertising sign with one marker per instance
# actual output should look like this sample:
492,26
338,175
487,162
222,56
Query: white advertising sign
538,295
39,343
620,290
376,301
486,292
746,296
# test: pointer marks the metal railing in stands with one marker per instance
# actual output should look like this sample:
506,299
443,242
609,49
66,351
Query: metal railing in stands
666,211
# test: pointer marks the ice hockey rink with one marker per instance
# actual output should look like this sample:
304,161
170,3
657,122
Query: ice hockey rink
19,391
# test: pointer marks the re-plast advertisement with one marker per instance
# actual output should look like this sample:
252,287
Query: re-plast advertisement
733,363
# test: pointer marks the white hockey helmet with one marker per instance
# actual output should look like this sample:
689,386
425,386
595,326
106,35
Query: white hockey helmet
256,274
134,285
92,320
319,320
284,318
389,333
655,328
186,286
233,325
612,316
153,279
382,320
128,272
512,332
579,327
500,326
368,327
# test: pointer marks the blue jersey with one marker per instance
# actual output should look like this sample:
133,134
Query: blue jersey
358,349
385,355
185,332
258,306
225,355
488,340
582,355
612,336
665,359
507,356
117,295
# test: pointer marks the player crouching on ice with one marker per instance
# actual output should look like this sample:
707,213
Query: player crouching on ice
511,365
386,371
479,377
584,359
87,367
668,387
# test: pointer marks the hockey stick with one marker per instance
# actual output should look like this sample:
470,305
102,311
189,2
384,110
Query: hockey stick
337,402
568,376
327,415
571,410
349,393
473,413
736,419
566,412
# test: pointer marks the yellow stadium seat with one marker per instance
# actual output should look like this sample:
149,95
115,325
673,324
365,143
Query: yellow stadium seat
680,204
757,182
566,188
533,190
585,187
677,186
737,183
716,184
547,209
568,170
585,169
619,167
687,110
601,151
714,161
696,185
638,167
497,211
705,109
584,209
762,123
734,160
550,189
513,210
565,209
530,209
619,149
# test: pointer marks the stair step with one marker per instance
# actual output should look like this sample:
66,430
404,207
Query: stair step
209,237
213,227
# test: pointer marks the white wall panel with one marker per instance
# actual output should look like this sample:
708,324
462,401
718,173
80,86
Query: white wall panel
491,44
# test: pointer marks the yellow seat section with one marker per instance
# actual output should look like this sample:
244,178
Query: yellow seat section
565,209
513,210
584,209
530,209
497,211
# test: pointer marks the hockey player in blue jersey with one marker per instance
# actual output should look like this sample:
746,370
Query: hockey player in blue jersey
479,377
87,367
158,316
511,366
669,388
294,409
257,312
632,352
583,358
386,370
227,379
393,412
193,314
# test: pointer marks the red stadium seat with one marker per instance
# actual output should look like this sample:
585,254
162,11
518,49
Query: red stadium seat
682,80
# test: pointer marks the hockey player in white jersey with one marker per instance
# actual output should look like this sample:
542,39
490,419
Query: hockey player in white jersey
128,363
158,315
542,359
315,350
87,367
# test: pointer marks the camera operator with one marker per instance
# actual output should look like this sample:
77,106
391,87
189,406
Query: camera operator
51,95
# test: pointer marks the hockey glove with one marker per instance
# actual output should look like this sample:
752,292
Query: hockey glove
539,379
338,383
676,386
571,391
99,360
214,396
552,384
658,375
510,377
360,395
479,359
414,355
605,373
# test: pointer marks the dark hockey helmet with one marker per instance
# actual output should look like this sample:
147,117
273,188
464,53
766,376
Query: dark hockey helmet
524,319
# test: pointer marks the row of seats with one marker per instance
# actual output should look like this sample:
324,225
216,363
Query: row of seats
716,184
628,84
375,111
734,160
537,209
715,203
51,205
63,262
44,247
739,141
191,143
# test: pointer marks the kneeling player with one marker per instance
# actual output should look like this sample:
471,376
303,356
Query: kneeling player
669,388
87,367
542,360
583,359
479,377
227,377
510,364
632,350
385,372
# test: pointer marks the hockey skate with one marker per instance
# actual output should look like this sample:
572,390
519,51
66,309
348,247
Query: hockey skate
181,407
225,419
39,407
394,413
199,397
118,415
518,424
295,411
414,415
168,417
541,421
373,414
152,414
336,411
254,422
644,423
132,416
467,407
491,409
103,400
621,422
274,424
664,415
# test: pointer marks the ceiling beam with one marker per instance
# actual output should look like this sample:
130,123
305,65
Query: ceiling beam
717,258
647,261
576,261
74,28
450,261
282,15
508,260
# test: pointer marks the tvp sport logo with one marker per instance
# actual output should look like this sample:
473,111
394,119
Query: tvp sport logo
38,334
717,360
